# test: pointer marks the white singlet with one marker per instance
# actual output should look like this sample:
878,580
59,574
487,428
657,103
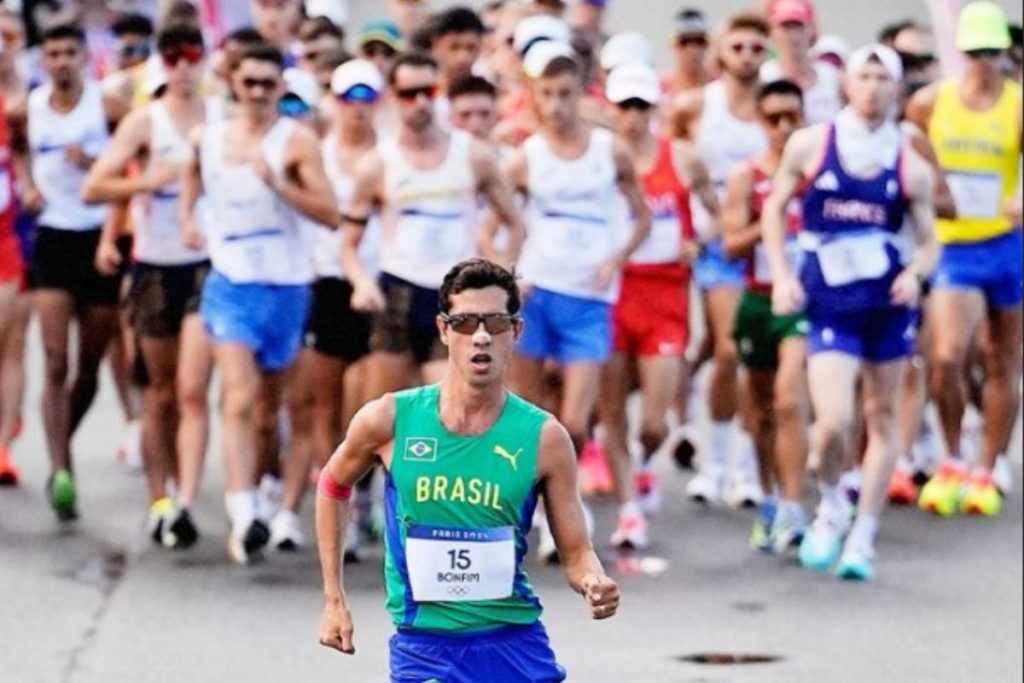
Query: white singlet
723,140
429,216
327,243
571,217
253,236
822,101
59,181
155,221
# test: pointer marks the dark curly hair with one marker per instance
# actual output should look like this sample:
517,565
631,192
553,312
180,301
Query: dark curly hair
477,273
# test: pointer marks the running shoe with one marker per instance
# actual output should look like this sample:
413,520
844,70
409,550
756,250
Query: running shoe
788,528
246,543
161,514
685,449
761,532
850,482
269,496
648,491
743,488
1002,475
857,562
595,475
286,532
901,488
182,532
823,541
129,448
706,486
631,533
925,454
63,494
8,472
981,497
943,492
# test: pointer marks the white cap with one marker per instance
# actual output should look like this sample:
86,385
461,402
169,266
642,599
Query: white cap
628,47
886,55
539,27
154,75
335,10
831,45
356,72
633,81
542,54
303,85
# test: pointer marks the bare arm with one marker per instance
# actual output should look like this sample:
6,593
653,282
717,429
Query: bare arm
629,186
108,256
692,171
106,181
739,233
583,571
304,185
686,110
17,120
371,429
367,180
191,189
499,195
906,290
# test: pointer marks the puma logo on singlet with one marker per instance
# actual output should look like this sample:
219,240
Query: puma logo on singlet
511,457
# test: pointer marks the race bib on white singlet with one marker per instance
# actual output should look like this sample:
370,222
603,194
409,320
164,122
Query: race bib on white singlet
854,258
460,565
440,238
976,195
574,242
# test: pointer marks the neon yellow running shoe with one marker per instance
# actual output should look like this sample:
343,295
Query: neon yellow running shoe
943,492
981,497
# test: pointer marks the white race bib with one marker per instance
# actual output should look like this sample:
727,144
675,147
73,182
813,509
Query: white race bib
574,241
854,258
441,238
976,195
460,565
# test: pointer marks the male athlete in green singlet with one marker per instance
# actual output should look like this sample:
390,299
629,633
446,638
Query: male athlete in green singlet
466,462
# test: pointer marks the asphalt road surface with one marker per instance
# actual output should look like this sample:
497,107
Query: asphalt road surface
96,602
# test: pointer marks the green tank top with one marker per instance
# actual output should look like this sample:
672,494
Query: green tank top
458,510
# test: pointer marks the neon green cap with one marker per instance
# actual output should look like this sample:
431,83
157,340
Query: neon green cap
983,26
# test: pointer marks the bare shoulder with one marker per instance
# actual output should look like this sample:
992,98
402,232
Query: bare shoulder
375,421
689,103
556,450
805,145
921,105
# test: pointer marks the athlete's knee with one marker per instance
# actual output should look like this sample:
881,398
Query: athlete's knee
162,394
237,401
726,355
56,367
787,408
192,400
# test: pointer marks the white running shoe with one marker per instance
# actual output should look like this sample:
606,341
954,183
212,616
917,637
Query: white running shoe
246,542
1002,475
269,497
129,448
648,490
706,486
857,563
286,532
743,488
823,541
631,533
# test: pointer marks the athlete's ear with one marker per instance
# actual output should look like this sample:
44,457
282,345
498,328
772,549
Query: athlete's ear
442,329
517,329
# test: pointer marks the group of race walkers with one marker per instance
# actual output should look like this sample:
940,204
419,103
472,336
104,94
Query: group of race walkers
369,234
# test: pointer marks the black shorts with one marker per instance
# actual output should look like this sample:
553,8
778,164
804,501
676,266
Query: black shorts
65,259
161,297
407,323
334,328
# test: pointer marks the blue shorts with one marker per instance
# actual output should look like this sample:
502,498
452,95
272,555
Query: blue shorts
564,328
874,336
511,654
995,266
269,319
712,269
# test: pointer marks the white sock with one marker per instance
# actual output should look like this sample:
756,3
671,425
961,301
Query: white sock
903,464
241,506
865,530
832,497
791,510
629,509
721,442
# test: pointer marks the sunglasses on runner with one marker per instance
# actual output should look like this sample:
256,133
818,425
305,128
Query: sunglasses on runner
692,41
987,53
752,48
469,323
413,94
191,54
136,50
359,93
635,103
292,106
774,118
253,83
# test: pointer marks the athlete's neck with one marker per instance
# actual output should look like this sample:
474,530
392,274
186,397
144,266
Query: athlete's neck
689,77
419,139
571,131
641,148
465,409
769,161
798,68
65,98
180,101
355,136
257,124
741,95
979,82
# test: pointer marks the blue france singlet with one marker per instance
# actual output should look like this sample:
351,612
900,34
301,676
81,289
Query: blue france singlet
850,234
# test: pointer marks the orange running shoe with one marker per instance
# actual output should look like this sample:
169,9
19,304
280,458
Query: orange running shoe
901,488
8,472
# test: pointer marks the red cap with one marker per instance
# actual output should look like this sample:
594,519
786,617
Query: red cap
784,11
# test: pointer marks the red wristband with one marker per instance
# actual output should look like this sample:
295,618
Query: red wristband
327,485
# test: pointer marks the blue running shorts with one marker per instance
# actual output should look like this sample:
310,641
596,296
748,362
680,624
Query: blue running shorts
566,329
995,266
269,319
873,335
712,269
511,654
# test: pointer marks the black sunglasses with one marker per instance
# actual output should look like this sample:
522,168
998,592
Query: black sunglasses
413,94
253,83
986,53
635,103
469,323
695,41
